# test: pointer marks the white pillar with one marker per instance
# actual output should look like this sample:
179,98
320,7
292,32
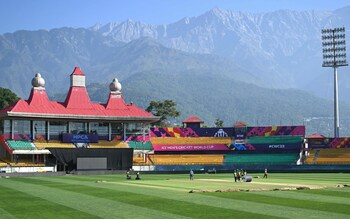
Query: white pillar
48,130
109,131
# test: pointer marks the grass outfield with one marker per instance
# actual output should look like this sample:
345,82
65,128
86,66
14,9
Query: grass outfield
168,196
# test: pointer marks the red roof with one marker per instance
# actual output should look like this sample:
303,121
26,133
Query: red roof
77,104
316,136
38,97
239,124
77,71
74,108
78,98
115,101
193,119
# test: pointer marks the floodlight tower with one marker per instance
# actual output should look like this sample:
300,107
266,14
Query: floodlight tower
334,55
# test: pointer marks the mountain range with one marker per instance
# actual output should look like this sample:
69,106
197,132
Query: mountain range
261,68
283,48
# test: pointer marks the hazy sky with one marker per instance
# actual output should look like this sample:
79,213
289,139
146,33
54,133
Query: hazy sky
48,14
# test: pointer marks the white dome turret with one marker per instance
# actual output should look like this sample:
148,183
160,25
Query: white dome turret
115,86
38,81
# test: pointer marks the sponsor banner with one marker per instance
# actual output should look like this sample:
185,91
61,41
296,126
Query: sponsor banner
238,133
329,143
191,132
280,146
275,130
318,142
339,143
213,132
79,138
265,147
209,147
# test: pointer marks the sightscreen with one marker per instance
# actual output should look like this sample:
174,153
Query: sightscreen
117,158
91,163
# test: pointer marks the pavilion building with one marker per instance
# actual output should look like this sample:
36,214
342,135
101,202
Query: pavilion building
77,121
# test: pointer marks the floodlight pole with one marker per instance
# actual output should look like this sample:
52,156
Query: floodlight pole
334,55
336,90
336,104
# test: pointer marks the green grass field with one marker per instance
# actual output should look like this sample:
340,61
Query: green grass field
168,196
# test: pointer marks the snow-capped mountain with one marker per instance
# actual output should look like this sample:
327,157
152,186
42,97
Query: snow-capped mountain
283,48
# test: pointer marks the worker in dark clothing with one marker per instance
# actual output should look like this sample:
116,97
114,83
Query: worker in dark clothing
191,174
128,177
138,176
265,173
